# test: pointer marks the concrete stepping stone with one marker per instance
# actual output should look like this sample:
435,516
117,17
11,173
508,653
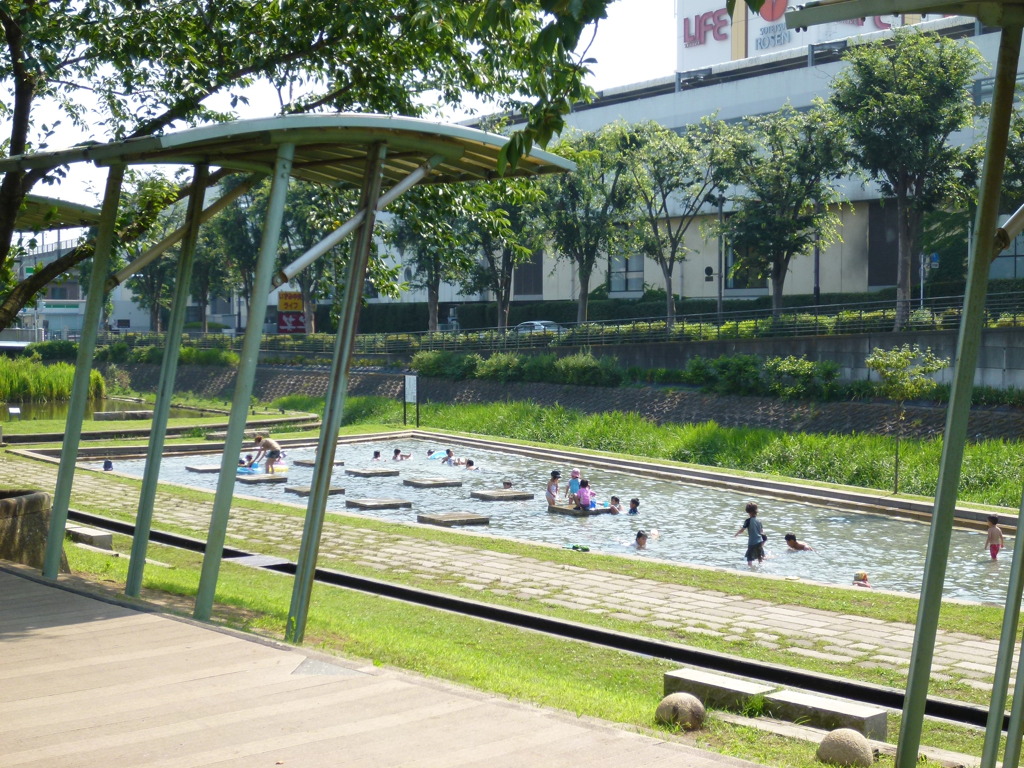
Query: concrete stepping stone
715,690
502,495
451,519
313,462
432,482
372,472
207,469
574,512
305,490
263,479
377,503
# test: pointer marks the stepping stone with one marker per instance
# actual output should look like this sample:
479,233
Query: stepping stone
450,519
313,462
372,472
574,512
502,495
207,469
83,534
432,482
378,503
305,490
262,479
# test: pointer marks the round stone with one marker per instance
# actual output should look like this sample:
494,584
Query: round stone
682,709
846,746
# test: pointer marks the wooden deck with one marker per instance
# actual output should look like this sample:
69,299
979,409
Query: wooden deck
90,684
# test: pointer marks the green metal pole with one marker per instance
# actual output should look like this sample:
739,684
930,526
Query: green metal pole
958,411
1004,661
243,384
337,387
165,388
83,367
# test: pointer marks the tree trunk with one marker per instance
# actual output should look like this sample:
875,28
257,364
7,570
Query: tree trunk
581,310
504,288
204,319
670,300
904,261
778,283
433,292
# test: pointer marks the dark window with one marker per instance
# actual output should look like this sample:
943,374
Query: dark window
625,273
883,243
528,276
743,277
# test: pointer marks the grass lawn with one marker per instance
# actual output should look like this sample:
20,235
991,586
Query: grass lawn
522,665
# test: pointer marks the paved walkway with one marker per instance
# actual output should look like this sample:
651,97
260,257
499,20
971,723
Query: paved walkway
686,611
88,684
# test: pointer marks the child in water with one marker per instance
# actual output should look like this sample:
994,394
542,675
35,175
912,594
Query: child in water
994,540
860,579
634,507
551,492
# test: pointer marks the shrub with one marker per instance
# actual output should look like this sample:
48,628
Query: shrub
146,354
501,366
540,367
738,375
700,372
223,358
54,350
581,368
118,352
431,362
793,378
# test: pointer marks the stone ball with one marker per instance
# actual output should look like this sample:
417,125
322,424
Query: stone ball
847,747
682,709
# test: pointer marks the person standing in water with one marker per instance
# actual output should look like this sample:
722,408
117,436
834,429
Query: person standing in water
755,535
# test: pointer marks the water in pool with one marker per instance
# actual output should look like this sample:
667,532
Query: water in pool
694,524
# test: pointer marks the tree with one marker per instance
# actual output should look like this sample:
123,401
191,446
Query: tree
583,208
904,372
429,231
210,274
900,100
144,67
506,232
787,164
671,177
237,229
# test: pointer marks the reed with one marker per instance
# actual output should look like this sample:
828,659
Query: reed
24,380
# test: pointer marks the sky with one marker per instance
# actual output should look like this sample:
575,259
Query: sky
636,42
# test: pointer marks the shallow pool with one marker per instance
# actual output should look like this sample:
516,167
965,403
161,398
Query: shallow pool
694,524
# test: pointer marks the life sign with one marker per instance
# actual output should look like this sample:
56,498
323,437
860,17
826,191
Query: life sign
290,317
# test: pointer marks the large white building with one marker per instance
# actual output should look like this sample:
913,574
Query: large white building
734,69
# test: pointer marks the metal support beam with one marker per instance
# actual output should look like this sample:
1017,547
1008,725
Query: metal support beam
243,383
83,368
165,387
959,407
329,242
1004,661
157,250
335,402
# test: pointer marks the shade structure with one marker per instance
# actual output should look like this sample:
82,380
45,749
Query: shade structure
329,149
39,213
381,155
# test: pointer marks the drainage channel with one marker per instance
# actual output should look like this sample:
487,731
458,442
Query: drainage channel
865,693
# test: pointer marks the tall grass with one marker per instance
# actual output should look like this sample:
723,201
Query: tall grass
26,380
991,474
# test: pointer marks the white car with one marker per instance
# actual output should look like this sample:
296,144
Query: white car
539,326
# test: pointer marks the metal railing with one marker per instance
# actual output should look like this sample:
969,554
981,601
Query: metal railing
935,314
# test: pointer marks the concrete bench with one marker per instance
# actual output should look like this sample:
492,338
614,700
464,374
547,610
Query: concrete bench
91,536
824,712
715,690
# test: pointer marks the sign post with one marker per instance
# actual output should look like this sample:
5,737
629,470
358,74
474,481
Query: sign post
411,396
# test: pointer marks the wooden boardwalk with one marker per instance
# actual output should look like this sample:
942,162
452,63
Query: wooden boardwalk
85,683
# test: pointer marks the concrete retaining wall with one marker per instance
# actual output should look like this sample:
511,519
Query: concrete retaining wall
24,526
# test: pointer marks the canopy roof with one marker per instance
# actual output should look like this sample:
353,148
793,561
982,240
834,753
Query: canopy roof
996,13
39,213
329,149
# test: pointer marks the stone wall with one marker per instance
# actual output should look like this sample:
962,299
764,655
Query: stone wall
662,405
24,526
